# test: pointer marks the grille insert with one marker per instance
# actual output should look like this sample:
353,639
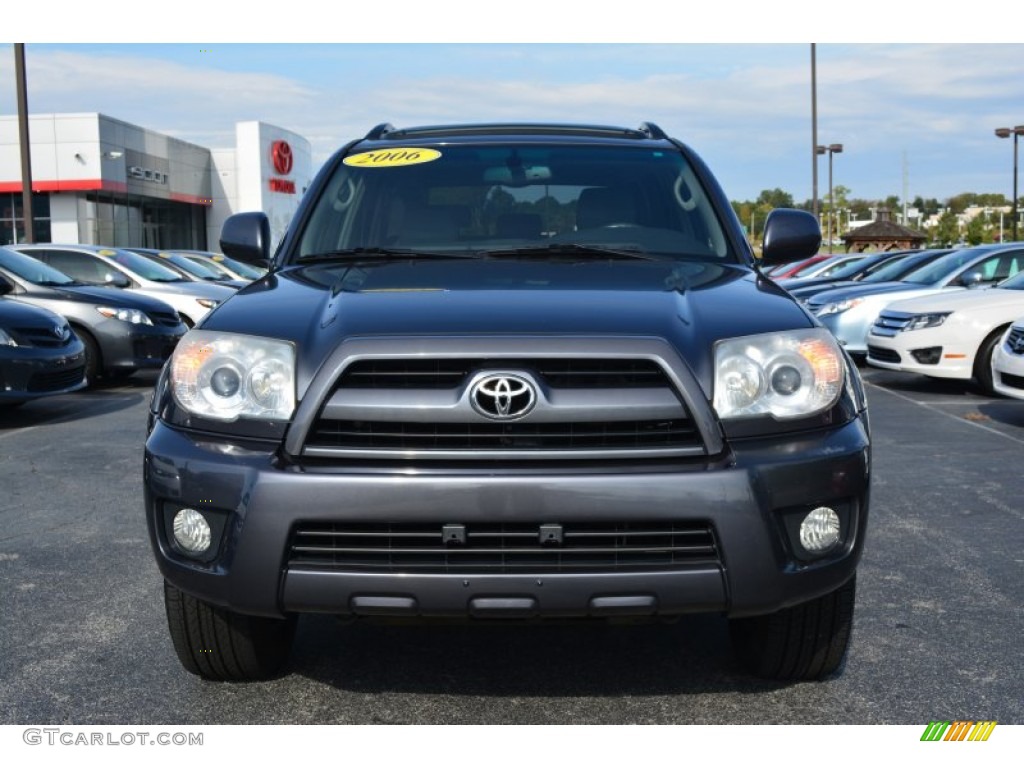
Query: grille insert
51,382
578,373
414,436
606,547
883,355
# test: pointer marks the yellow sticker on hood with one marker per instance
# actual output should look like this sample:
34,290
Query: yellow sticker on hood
390,158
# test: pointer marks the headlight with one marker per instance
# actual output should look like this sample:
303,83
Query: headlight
208,303
788,375
835,307
226,376
133,316
929,320
6,340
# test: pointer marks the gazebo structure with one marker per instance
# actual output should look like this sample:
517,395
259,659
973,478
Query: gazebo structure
883,234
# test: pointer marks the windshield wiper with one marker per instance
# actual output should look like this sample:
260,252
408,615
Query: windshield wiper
565,249
376,253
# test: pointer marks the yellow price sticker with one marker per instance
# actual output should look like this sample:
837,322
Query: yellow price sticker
107,252
390,158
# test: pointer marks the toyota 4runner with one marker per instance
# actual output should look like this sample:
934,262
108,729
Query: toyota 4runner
510,372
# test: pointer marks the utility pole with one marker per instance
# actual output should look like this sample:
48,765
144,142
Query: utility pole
26,156
814,132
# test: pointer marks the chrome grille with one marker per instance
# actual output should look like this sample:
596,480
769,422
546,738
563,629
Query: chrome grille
40,337
888,324
1015,341
416,408
519,548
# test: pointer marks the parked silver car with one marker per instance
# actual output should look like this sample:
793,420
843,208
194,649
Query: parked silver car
119,268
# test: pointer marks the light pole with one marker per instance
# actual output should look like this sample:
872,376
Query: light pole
831,149
1005,133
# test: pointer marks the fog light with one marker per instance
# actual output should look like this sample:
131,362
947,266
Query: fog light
192,532
819,531
928,355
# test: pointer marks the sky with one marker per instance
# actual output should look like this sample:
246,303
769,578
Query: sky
919,113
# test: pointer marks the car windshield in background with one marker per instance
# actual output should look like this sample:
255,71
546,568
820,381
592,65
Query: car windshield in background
486,199
934,271
143,267
32,270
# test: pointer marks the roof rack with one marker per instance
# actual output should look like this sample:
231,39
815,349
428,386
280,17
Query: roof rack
380,131
388,131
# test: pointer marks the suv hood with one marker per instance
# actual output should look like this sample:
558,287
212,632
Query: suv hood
318,306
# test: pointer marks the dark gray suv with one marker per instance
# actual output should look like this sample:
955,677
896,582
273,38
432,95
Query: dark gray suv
510,372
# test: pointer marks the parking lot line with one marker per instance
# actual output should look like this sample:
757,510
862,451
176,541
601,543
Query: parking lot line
931,407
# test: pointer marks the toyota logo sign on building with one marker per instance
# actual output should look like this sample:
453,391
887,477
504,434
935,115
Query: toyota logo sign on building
281,153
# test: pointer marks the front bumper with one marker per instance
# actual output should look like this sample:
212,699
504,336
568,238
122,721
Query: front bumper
1008,371
30,372
126,346
745,497
850,328
906,350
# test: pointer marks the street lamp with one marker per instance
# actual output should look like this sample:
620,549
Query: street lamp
1005,133
832,149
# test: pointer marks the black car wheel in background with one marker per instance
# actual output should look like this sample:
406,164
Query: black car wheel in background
122,332
39,354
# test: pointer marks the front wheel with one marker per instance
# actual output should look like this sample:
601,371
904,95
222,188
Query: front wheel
218,644
983,362
804,642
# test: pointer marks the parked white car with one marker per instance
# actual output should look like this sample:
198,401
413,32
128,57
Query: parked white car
119,268
1008,362
849,312
948,335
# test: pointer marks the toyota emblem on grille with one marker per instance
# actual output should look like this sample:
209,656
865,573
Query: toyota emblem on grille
503,396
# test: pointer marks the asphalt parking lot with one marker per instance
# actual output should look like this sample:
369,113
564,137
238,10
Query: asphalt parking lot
83,637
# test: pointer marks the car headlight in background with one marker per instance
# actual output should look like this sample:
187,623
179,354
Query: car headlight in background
836,307
787,375
226,376
133,316
927,320
207,303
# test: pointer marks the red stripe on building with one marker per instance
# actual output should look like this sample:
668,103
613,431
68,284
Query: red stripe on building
71,185
182,198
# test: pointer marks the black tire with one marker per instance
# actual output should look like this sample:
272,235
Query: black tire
983,361
93,357
218,644
805,642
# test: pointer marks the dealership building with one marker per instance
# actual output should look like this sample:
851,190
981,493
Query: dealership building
103,181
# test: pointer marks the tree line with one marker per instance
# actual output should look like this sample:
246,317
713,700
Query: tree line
948,229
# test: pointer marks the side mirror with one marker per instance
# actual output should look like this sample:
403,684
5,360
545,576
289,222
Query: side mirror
116,280
971,280
789,235
246,237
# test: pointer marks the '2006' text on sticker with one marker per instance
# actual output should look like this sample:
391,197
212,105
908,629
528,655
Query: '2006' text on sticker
389,158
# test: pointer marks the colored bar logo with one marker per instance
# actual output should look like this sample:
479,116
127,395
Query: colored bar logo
958,730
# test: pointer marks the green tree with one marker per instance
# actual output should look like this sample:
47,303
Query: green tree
976,230
775,198
947,232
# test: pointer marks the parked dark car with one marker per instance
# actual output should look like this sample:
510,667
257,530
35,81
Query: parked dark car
188,268
39,354
226,265
121,331
889,270
510,372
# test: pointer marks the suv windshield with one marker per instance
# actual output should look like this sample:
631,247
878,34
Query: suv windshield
487,198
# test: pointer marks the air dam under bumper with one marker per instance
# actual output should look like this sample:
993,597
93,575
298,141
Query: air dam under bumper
743,499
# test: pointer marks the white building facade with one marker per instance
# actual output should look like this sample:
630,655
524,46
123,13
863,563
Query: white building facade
103,181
